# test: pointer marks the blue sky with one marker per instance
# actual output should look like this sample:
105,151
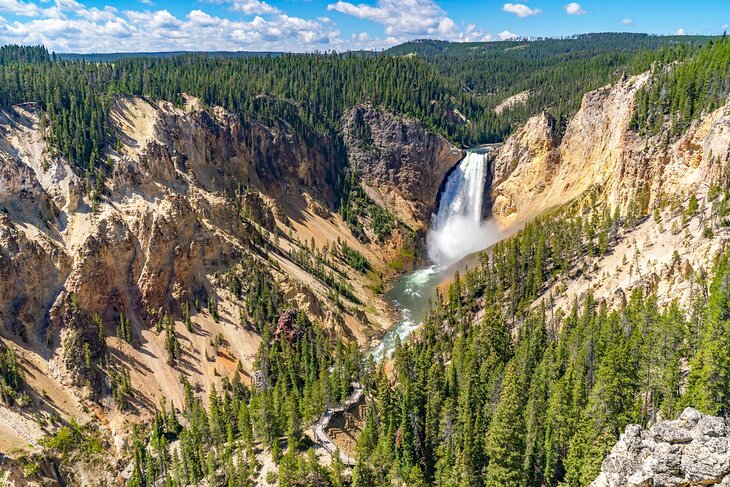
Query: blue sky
307,25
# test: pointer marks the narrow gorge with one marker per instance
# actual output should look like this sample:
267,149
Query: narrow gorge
444,264
459,227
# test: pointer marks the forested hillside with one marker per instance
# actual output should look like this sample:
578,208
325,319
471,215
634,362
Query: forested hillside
680,93
554,73
215,214
501,390
312,91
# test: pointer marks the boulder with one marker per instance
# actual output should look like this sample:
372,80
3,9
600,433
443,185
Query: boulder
692,450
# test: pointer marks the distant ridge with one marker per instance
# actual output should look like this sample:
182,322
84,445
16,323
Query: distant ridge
431,47
578,42
114,56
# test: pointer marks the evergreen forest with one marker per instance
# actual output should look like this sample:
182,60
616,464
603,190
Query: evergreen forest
497,388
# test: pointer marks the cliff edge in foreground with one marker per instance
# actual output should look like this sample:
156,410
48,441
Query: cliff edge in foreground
691,450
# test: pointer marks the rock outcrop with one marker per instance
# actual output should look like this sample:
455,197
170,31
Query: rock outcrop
524,166
188,194
536,170
692,450
400,164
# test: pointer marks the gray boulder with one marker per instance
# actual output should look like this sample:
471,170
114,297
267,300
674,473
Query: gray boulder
692,450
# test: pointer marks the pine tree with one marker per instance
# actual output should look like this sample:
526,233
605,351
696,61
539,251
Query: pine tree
186,316
124,329
172,345
244,424
506,439
294,423
708,384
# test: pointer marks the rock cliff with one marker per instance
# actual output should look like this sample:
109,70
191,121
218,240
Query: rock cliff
692,450
400,164
536,169
598,157
188,197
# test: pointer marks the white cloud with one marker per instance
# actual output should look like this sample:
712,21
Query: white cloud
405,19
575,9
154,21
681,32
409,17
70,26
447,26
72,5
723,27
627,21
19,7
250,7
95,15
73,26
521,10
506,35
198,17
362,36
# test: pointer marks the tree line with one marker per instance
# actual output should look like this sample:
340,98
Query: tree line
311,91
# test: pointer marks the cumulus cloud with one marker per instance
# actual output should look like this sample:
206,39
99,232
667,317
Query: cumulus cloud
575,9
18,7
198,17
250,7
247,7
96,15
681,32
406,19
70,26
154,21
506,35
520,9
627,21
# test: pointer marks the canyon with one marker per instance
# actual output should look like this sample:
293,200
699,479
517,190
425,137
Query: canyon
168,230
199,207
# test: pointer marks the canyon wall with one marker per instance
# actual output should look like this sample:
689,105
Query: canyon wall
538,169
401,164
188,197
599,158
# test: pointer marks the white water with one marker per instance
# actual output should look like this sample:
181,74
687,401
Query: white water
457,229
410,295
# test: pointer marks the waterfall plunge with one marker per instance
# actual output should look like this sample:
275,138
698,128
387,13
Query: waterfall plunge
457,229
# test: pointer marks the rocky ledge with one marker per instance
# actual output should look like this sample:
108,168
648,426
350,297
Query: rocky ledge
691,450
400,163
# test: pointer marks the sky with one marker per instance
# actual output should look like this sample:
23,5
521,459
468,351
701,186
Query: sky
88,26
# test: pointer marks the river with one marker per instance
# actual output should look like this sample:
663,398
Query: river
457,230
410,296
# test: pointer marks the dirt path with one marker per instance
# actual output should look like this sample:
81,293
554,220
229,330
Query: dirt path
319,427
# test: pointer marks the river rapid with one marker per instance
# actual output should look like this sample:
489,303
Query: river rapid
458,228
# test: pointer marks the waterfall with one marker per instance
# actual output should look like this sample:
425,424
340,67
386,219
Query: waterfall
457,228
